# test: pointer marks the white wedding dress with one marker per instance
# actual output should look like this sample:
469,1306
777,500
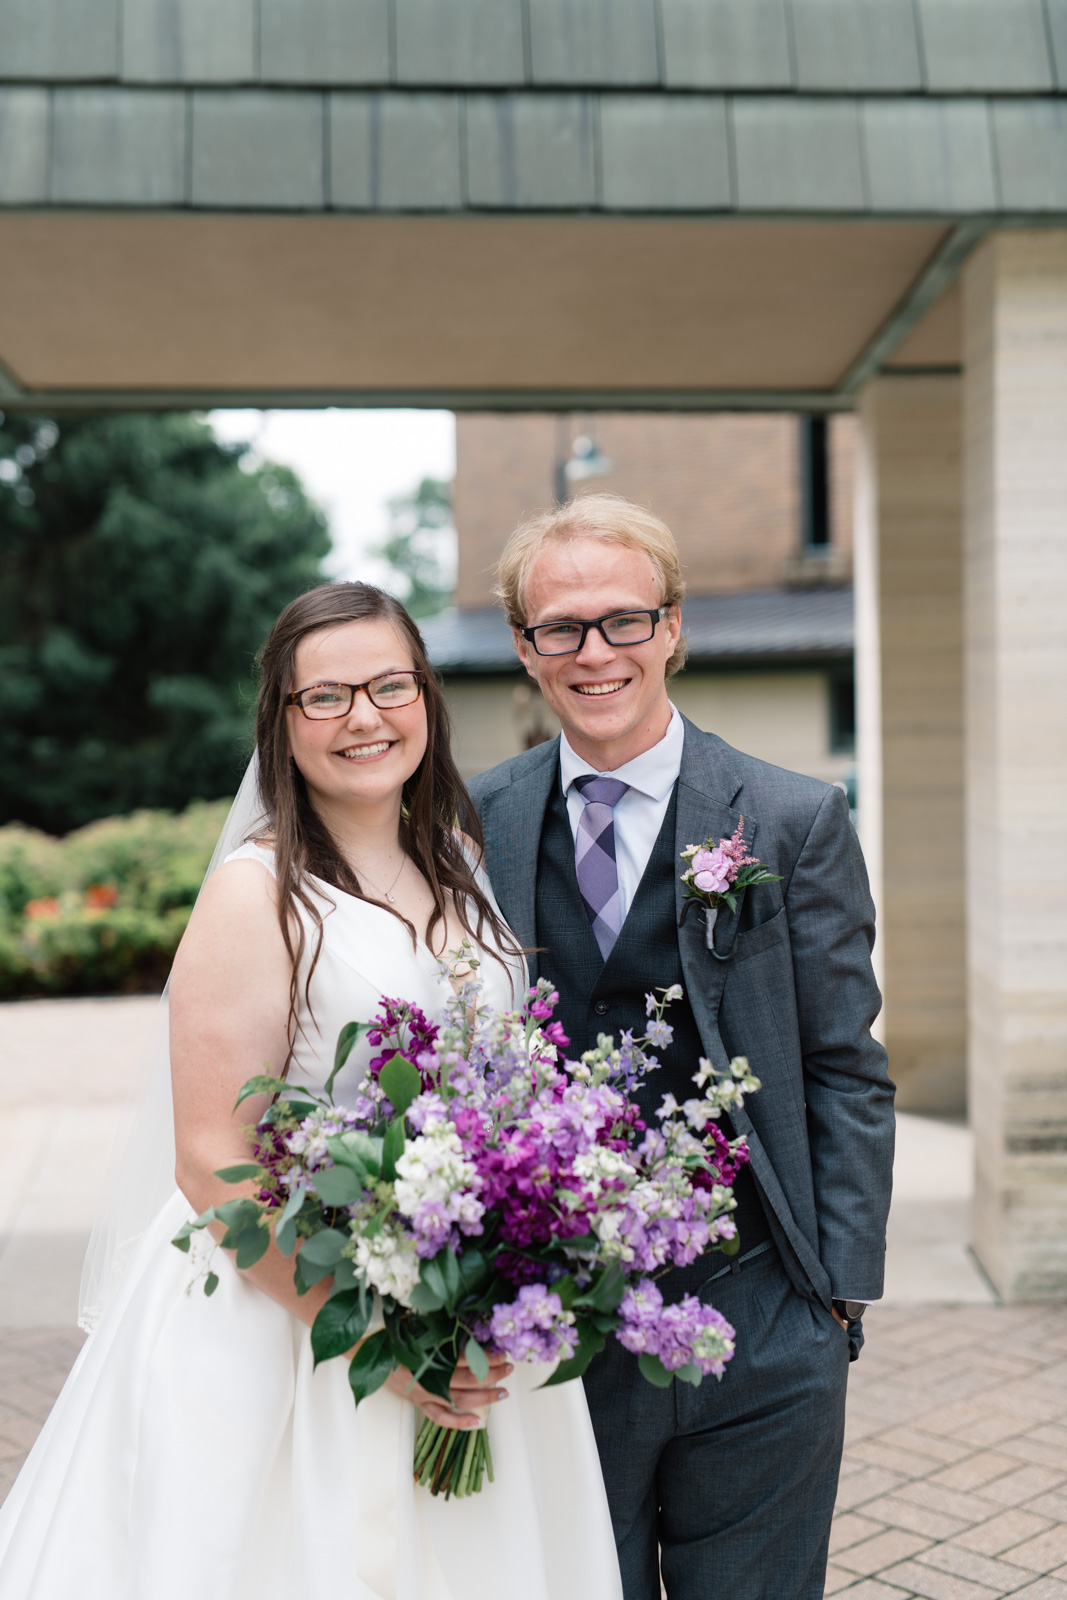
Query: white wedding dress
194,1453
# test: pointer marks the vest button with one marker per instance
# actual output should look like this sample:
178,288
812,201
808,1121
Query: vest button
601,1008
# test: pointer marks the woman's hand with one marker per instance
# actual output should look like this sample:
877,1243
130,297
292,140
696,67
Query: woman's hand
468,1392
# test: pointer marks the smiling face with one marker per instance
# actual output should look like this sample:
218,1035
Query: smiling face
611,700
363,759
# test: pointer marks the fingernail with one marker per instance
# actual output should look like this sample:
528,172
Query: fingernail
502,1394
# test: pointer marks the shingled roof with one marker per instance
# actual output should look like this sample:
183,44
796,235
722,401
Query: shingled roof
883,107
785,627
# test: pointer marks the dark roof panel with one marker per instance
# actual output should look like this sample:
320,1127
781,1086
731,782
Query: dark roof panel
724,630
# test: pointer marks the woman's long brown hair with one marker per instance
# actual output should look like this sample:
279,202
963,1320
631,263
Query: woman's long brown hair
434,801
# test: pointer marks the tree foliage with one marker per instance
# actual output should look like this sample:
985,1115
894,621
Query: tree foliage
140,569
421,546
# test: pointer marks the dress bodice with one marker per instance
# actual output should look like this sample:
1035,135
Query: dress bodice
366,956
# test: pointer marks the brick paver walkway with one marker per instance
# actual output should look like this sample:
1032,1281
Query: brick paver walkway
954,1483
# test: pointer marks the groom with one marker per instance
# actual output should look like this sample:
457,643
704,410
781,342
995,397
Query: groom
730,1486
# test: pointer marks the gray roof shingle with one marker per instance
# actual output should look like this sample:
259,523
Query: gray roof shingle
766,625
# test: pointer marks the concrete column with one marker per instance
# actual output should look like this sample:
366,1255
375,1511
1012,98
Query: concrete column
909,666
1015,607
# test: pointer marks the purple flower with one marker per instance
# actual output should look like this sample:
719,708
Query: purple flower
534,1327
659,1035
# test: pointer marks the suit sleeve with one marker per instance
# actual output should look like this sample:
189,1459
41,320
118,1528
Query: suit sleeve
848,1093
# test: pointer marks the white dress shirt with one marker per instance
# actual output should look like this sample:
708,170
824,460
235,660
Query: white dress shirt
639,814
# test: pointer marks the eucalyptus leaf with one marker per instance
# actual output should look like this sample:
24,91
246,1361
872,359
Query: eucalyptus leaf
307,1273
185,1233
324,1248
340,1324
690,1373
652,1368
238,1215
344,1276
338,1186
211,1283
401,1081
434,1279
477,1360
252,1245
370,1366
346,1041
238,1173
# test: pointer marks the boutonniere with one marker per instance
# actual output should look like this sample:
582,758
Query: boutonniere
717,874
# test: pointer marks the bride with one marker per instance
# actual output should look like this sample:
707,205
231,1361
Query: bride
194,1453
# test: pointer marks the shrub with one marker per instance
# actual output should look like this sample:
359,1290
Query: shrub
101,911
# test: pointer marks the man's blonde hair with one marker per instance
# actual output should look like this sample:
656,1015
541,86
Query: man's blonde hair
609,517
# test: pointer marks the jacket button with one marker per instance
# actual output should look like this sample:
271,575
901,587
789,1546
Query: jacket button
601,1008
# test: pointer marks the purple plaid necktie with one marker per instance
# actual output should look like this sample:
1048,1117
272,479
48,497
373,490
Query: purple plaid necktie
594,857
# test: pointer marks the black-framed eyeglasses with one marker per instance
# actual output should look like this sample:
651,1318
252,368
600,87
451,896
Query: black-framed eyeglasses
322,702
618,628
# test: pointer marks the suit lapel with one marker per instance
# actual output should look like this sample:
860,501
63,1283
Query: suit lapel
512,820
707,788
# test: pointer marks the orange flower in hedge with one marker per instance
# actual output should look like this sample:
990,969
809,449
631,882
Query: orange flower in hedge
37,910
101,897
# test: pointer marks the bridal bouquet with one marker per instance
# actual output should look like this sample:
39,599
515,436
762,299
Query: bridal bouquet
483,1195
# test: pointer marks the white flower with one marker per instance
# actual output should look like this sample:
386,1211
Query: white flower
388,1262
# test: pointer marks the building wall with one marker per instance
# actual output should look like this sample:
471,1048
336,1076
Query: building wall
727,485
780,716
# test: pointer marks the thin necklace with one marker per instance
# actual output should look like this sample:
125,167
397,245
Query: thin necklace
388,893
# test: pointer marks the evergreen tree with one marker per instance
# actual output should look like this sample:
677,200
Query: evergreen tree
141,566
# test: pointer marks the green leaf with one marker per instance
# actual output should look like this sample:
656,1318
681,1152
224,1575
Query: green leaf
324,1248
185,1233
237,1215
252,1245
357,1150
453,1281
211,1283
653,1369
346,1042
393,1148
262,1083
370,1366
423,1298
690,1373
474,1269
307,1273
477,1360
340,1324
238,1174
608,1289
401,1082
590,1344
285,1229
344,1276
433,1277
730,1247
337,1186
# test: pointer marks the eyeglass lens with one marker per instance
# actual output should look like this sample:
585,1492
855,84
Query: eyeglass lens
564,638
388,693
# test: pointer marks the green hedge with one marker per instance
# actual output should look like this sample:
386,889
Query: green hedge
101,911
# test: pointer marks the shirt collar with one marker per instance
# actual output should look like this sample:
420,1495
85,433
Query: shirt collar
654,772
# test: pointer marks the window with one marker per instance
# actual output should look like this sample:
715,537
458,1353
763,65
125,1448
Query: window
842,688
814,484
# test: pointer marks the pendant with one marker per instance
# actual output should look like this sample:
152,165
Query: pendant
391,899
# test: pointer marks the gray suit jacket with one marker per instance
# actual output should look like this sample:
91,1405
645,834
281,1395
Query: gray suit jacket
790,985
